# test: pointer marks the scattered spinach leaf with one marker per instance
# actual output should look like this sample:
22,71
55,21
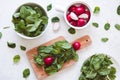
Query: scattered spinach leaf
71,31
16,58
98,67
95,24
26,72
118,10
96,10
104,39
49,7
6,27
107,26
0,35
11,44
55,19
23,48
117,26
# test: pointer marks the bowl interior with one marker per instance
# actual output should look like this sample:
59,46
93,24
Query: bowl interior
76,3
44,14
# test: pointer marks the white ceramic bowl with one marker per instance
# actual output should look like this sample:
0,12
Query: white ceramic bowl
27,37
61,9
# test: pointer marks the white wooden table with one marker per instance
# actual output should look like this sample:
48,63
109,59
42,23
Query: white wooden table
11,71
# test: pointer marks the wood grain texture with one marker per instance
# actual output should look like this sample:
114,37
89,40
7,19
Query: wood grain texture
39,71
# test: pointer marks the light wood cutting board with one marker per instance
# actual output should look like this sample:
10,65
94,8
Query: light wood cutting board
39,71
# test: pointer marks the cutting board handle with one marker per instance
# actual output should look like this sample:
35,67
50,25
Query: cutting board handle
84,41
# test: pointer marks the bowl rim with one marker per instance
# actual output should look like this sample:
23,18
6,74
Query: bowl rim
28,37
76,2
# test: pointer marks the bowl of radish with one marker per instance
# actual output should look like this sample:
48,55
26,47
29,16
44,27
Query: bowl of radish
77,14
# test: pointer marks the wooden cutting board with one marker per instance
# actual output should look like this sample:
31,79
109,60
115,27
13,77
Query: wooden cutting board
39,71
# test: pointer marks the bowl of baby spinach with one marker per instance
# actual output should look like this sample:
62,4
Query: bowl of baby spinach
99,67
30,20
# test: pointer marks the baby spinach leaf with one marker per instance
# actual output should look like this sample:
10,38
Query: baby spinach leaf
95,24
76,57
20,26
16,15
23,48
34,27
117,26
24,12
118,10
107,26
104,72
96,10
44,20
112,73
46,49
91,75
49,7
0,35
39,60
55,19
71,31
66,46
26,72
16,58
6,27
11,44
104,39
112,70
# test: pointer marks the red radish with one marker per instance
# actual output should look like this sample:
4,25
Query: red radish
48,60
72,8
88,13
82,5
81,22
68,17
79,10
74,23
76,45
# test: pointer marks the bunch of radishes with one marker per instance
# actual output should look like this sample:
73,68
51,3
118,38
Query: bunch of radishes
78,15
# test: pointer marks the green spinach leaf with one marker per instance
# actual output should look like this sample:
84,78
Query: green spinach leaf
11,44
26,72
96,10
104,39
6,27
16,58
23,48
49,7
0,35
107,26
117,26
71,30
95,24
55,19
24,12
118,10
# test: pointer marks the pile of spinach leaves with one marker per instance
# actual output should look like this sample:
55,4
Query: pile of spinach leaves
30,20
62,51
98,67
